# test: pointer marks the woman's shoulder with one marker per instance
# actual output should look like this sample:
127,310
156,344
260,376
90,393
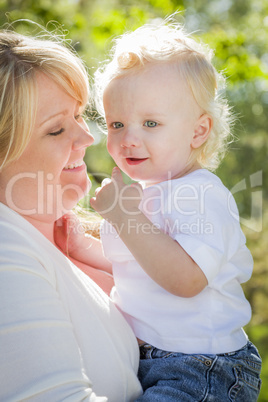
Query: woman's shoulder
22,247
15,230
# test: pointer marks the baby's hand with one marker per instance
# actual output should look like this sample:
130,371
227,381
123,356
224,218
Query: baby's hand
68,233
115,200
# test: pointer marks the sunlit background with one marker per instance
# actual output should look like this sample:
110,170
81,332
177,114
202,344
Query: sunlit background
238,31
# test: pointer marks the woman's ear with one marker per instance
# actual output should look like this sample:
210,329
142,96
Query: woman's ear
202,130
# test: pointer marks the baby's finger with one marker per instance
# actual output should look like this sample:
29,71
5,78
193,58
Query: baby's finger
105,182
117,175
97,190
92,201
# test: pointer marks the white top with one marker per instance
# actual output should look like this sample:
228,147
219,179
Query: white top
201,215
61,338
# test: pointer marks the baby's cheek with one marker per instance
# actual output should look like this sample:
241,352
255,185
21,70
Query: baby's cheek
113,145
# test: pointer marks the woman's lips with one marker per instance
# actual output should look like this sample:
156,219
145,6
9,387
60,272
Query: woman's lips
135,161
74,167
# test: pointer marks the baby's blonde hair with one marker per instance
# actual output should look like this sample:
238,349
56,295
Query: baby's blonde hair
168,43
21,59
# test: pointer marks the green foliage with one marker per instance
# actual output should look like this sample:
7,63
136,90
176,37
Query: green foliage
238,31
233,56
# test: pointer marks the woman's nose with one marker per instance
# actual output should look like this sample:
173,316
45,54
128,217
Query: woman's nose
83,137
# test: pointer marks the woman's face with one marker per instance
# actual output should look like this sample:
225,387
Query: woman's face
50,177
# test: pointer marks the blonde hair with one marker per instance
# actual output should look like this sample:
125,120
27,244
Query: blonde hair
21,58
168,43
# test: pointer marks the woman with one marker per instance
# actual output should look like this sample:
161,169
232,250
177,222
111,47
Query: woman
60,337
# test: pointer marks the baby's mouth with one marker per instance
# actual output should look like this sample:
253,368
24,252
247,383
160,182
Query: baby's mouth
135,161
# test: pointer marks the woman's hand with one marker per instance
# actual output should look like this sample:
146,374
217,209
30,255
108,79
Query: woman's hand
85,252
69,233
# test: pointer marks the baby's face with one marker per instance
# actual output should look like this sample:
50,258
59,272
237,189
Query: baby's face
152,120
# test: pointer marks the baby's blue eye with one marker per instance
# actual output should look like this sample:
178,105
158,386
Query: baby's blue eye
150,123
118,124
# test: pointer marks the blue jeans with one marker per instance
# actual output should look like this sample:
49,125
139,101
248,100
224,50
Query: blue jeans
167,376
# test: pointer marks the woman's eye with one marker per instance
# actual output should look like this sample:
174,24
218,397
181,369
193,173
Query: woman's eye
55,133
78,117
150,123
117,124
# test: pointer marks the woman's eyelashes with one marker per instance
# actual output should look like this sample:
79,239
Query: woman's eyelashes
77,117
55,133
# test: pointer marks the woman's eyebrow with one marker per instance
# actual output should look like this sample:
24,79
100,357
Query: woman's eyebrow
63,112
52,116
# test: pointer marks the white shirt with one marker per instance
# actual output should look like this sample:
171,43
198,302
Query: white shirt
201,215
61,337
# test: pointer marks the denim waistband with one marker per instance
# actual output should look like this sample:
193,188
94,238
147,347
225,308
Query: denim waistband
150,352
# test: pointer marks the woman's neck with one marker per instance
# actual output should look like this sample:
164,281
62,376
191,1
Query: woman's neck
45,225
46,228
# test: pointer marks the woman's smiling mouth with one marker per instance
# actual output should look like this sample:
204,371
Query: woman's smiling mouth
75,166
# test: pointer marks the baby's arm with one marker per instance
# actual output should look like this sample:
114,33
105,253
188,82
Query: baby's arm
161,257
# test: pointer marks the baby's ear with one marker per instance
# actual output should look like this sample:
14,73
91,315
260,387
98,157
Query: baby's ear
202,130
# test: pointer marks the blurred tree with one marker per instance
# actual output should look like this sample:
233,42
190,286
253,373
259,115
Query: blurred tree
238,31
